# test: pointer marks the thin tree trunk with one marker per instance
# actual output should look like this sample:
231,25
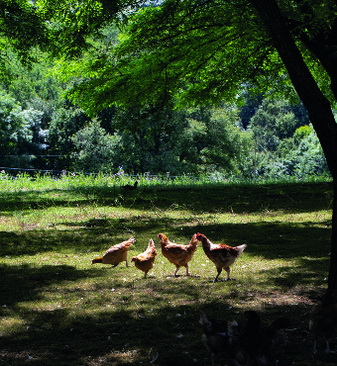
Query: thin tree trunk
319,108
331,293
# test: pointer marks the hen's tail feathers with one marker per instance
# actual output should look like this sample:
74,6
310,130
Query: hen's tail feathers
130,241
241,248
151,247
203,319
194,241
97,260
206,323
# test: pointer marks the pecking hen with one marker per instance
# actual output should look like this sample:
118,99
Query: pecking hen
116,254
144,261
323,323
178,254
222,255
219,336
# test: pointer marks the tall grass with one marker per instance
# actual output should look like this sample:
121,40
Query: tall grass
24,182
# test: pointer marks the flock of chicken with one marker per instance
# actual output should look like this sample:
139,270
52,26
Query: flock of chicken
222,255
248,344
255,343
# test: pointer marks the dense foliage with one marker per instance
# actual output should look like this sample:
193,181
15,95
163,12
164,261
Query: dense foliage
47,105
260,137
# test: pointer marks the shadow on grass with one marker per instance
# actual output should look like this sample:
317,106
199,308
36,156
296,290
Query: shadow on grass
240,198
39,241
267,240
169,336
270,240
34,200
306,274
20,283
225,198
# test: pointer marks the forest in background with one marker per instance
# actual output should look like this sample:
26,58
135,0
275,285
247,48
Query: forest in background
260,135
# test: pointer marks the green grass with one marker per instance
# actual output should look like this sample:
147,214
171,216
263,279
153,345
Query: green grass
58,309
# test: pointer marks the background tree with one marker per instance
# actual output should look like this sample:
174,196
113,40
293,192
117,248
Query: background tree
15,134
66,122
272,122
220,144
301,155
95,150
149,138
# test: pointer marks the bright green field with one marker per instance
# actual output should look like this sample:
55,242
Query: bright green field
58,309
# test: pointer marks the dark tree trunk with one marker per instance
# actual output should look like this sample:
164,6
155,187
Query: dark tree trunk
332,283
318,106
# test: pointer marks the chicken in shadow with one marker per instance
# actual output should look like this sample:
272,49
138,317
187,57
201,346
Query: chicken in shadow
220,337
323,325
259,343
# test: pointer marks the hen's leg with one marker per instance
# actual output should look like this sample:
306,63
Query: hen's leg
213,358
218,274
228,270
176,271
328,350
187,272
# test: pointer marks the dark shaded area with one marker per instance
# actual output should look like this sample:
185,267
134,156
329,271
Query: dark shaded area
291,240
304,197
54,339
299,197
23,282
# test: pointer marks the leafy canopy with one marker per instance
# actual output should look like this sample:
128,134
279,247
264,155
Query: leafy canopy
194,52
189,51
183,50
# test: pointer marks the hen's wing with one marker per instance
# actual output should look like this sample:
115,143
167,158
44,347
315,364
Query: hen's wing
175,248
221,255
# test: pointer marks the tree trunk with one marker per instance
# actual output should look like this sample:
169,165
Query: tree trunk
331,292
318,106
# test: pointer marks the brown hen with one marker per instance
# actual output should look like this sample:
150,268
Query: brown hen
116,254
178,254
144,261
222,255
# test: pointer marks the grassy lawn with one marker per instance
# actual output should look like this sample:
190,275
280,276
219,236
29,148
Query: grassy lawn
58,309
